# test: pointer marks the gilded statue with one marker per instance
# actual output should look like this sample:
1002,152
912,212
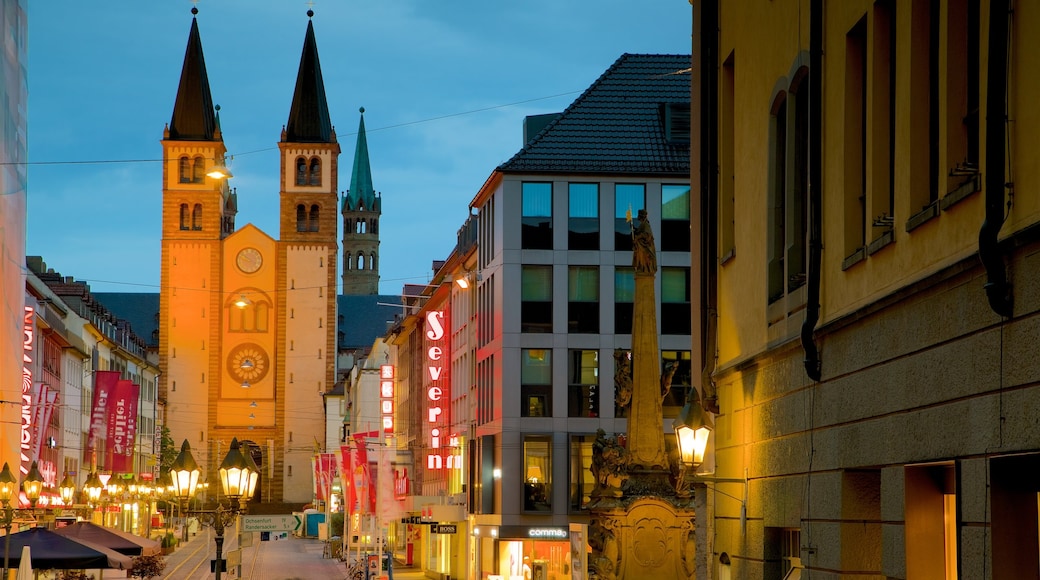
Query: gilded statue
644,252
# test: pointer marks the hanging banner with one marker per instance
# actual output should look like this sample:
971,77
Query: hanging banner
324,474
123,425
119,446
104,383
28,391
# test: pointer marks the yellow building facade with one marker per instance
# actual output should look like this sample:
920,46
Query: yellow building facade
873,253
247,321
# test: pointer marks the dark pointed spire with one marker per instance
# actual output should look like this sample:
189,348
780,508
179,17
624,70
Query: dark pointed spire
361,190
309,116
193,117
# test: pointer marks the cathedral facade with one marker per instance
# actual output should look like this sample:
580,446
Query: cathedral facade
247,321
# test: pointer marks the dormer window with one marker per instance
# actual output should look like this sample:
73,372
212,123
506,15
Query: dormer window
677,122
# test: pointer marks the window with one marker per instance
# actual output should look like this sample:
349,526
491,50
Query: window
629,198
198,170
580,470
675,218
583,383
315,173
727,155
583,299
537,473
624,296
196,217
855,142
675,301
922,153
252,317
931,526
535,382
791,553
536,216
676,364
535,299
301,171
314,218
883,125
1014,486
184,217
677,122
301,218
788,189
583,216
184,169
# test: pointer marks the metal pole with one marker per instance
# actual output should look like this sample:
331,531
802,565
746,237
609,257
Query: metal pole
8,518
219,526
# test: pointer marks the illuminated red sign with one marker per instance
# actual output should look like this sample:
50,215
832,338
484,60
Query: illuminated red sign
386,397
28,338
436,387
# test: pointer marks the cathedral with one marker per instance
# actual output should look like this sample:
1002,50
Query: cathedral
247,321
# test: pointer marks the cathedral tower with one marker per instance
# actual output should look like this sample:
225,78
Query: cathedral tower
362,207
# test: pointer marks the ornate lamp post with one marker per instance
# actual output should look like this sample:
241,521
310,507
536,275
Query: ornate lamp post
692,428
32,485
8,487
235,477
67,489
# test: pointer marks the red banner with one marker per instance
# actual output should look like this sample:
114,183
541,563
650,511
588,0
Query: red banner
122,416
104,383
358,474
324,474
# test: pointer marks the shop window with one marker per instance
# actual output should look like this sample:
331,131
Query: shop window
675,301
583,383
629,198
580,471
535,382
536,299
536,216
583,216
537,473
583,299
624,297
1014,489
675,218
931,526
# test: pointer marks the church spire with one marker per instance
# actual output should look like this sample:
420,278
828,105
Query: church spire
309,116
193,118
361,192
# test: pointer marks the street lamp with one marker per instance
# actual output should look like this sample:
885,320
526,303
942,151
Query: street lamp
32,485
236,479
67,488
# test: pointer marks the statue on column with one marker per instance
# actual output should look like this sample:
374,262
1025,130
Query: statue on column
644,252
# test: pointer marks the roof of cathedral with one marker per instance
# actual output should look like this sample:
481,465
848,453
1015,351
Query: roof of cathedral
633,119
361,193
363,318
309,116
193,117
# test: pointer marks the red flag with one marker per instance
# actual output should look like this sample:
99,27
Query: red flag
104,382
119,446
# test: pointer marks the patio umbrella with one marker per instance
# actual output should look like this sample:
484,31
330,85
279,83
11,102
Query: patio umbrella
111,538
25,571
51,551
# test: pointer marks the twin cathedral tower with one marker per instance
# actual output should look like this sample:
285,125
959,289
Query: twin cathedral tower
247,322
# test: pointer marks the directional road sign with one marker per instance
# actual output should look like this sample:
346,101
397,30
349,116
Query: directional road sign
274,523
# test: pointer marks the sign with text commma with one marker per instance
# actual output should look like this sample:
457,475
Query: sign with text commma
386,397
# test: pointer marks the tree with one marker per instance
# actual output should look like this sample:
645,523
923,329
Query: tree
167,451
147,566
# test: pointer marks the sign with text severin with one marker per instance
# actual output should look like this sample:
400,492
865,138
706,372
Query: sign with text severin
437,380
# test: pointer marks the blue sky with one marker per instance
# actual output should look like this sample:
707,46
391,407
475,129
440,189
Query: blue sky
445,85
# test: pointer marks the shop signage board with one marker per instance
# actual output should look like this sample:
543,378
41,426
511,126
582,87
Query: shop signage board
445,528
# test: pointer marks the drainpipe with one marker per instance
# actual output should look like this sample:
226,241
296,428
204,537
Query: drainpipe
998,290
709,185
812,307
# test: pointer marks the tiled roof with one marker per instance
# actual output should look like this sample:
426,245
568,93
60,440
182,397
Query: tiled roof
363,318
140,309
618,125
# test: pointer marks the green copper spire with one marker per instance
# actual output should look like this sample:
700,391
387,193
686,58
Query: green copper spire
362,193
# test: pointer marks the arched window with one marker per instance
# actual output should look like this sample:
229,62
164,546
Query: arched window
198,170
360,261
301,218
184,215
348,225
315,171
361,226
372,261
185,170
348,263
314,218
196,217
301,171
375,226
253,317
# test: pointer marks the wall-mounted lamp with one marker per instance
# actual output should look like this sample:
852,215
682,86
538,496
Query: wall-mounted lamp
246,385
496,473
242,301
692,428
253,404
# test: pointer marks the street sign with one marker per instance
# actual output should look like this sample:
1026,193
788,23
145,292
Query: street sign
299,523
274,523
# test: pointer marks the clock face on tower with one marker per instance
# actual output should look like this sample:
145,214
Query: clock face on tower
249,260
248,363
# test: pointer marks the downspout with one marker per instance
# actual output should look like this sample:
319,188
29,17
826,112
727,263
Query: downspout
998,290
812,361
709,185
